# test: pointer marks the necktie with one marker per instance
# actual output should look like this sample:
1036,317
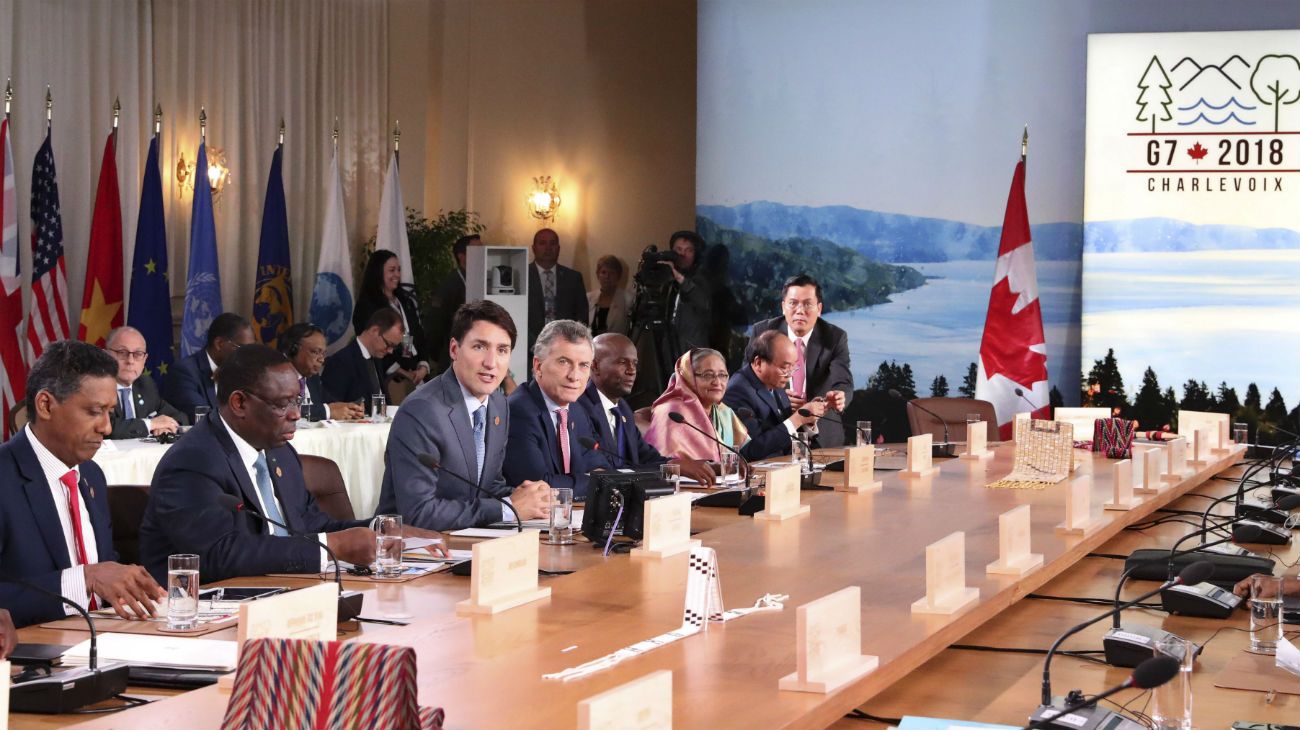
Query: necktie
267,490
799,377
618,431
74,511
548,293
563,415
373,376
124,400
480,444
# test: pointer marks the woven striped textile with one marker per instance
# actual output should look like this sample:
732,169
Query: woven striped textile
1114,437
326,685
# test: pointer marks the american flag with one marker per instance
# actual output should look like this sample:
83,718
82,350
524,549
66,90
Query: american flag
13,372
48,321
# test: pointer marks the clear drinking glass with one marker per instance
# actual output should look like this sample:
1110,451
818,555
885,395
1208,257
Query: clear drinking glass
864,433
1172,701
388,545
671,473
1240,433
560,530
1265,613
182,591
801,452
378,407
200,412
730,467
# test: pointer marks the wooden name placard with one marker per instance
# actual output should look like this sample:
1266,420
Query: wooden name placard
1176,468
1146,468
860,470
642,704
504,575
945,577
1189,422
977,441
307,613
1203,440
667,523
920,462
1014,557
1078,508
828,644
781,500
1121,473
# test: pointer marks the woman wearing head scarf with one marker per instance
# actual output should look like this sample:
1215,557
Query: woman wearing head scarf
695,390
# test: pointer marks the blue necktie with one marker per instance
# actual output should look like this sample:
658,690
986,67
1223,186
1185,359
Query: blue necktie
124,400
480,446
618,432
267,490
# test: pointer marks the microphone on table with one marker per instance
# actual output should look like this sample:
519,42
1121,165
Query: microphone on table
1021,392
435,465
947,448
593,446
68,691
1193,574
827,415
679,419
1150,674
349,601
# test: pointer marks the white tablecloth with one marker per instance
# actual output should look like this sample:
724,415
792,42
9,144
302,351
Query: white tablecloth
358,449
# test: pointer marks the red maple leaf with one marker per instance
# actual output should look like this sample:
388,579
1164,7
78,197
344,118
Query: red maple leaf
1008,337
1196,152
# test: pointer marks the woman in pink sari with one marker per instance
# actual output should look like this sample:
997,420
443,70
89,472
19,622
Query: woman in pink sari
695,390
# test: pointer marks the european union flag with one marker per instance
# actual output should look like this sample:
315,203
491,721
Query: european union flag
203,289
151,299
273,295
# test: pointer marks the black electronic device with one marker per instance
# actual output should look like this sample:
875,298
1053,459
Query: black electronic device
39,654
350,602
1280,491
1204,601
1269,533
1129,646
944,449
1262,512
1081,713
616,503
1230,566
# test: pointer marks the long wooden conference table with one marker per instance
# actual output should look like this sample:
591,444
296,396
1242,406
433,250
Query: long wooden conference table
487,671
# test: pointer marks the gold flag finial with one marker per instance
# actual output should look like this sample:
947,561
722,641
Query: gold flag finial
1024,143
157,118
335,134
49,106
281,142
203,124
117,111
397,135
9,95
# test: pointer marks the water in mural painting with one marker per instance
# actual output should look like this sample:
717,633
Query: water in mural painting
937,328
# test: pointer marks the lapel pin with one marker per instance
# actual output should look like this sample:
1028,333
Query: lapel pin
92,491
623,418
278,473
496,420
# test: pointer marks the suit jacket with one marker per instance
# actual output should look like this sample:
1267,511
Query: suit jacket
345,375
535,447
32,546
190,384
767,433
447,299
184,516
414,327
619,310
147,405
570,300
635,448
827,359
320,400
433,420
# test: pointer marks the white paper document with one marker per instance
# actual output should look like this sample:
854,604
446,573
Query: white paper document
159,651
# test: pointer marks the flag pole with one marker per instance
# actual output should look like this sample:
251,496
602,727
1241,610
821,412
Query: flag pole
1024,143
9,95
117,113
157,119
281,142
49,108
335,135
397,141
203,126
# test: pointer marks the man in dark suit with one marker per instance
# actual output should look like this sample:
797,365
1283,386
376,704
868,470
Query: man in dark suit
242,451
759,387
554,291
822,354
304,345
545,425
140,410
461,420
613,373
54,525
447,299
190,382
355,373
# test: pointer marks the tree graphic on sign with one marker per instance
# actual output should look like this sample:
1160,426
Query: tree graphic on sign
1154,87
1276,81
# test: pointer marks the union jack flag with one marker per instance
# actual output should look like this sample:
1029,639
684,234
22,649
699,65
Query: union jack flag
13,371
48,321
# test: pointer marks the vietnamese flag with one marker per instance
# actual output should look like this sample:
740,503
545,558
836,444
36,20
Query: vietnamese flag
101,300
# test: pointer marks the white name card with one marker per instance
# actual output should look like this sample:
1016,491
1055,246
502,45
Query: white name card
667,523
828,641
1147,463
860,470
977,441
1078,508
781,500
1014,557
946,591
504,574
919,457
1189,422
307,613
1176,461
642,704
1121,473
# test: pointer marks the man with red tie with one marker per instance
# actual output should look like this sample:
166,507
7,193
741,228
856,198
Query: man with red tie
54,524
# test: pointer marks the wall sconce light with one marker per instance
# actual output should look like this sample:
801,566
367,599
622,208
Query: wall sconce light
544,200
218,174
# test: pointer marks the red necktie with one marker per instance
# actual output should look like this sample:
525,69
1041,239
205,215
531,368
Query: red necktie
563,415
798,380
74,510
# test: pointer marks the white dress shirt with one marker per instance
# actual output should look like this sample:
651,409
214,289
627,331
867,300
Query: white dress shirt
608,406
72,581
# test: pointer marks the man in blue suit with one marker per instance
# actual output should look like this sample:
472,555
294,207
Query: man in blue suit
190,383
355,373
544,429
304,345
460,420
241,453
613,373
54,525
759,387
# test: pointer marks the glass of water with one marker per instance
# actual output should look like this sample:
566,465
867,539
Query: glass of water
182,591
671,473
864,433
1240,433
388,545
378,408
802,452
1265,613
200,412
1172,701
560,529
730,467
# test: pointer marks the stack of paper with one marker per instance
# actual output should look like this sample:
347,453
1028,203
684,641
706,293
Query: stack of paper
167,652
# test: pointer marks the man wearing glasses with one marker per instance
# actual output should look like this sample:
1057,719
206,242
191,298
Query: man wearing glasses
140,410
759,388
354,373
821,372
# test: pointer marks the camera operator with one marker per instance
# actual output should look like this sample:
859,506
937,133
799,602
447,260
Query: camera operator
690,312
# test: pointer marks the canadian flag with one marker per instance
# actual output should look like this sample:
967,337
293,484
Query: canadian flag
1013,354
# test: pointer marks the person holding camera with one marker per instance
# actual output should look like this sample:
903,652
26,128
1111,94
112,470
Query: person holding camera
690,309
